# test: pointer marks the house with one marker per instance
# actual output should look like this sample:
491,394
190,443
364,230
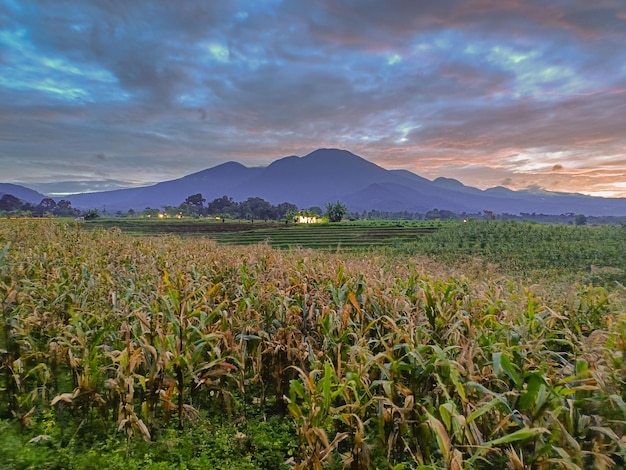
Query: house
306,219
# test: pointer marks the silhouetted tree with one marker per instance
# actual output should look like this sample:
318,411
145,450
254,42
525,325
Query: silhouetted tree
489,215
195,204
257,208
284,209
223,206
9,203
64,208
47,205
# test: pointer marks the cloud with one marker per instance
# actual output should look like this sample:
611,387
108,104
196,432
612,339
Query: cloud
482,90
64,188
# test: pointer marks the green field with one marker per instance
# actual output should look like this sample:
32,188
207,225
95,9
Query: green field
584,253
488,345
347,236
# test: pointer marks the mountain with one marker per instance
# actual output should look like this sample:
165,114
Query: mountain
321,176
327,175
21,192
212,183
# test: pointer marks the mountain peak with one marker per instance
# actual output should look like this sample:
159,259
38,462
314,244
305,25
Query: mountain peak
334,153
227,168
341,160
284,162
448,182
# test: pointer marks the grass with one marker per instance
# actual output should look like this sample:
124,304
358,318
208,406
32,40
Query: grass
452,350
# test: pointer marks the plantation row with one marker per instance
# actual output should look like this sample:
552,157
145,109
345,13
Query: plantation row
384,361
330,236
523,249
326,236
531,248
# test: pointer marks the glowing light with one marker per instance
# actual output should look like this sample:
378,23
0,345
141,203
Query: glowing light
219,52
404,130
394,59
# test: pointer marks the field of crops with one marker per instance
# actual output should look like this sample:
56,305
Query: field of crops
346,236
580,253
449,349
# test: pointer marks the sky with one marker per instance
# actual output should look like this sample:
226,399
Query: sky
107,94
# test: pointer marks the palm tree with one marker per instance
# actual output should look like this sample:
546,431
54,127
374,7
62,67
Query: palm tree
335,211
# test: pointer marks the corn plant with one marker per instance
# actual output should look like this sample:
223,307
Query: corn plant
388,360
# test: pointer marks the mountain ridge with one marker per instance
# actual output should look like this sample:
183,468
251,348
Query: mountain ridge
21,192
326,175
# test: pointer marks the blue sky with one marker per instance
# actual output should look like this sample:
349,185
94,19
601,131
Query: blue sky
106,94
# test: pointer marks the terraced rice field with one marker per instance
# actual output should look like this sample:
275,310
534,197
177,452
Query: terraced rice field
322,236
326,236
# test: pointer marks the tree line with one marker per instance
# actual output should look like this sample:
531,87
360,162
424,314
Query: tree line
253,208
227,207
11,205
256,208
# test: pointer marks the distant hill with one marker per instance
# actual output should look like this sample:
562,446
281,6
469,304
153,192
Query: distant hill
212,183
21,192
330,174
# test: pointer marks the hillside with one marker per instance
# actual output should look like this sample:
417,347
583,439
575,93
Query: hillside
21,192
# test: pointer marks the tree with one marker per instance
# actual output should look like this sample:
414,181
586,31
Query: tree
580,219
46,206
257,208
9,203
64,208
92,214
437,214
150,212
195,203
292,215
286,210
335,211
315,210
222,206
489,215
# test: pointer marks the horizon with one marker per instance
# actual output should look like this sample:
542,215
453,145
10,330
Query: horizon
532,189
102,96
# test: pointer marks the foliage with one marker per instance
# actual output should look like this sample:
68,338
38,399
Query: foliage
160,352
251,208
91,214
9,203
195,200
335,211
574,253
208,445
530,248
12,206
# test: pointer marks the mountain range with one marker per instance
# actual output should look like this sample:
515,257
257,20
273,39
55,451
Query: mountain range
327,175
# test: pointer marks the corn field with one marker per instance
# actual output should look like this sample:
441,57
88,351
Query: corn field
380,361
